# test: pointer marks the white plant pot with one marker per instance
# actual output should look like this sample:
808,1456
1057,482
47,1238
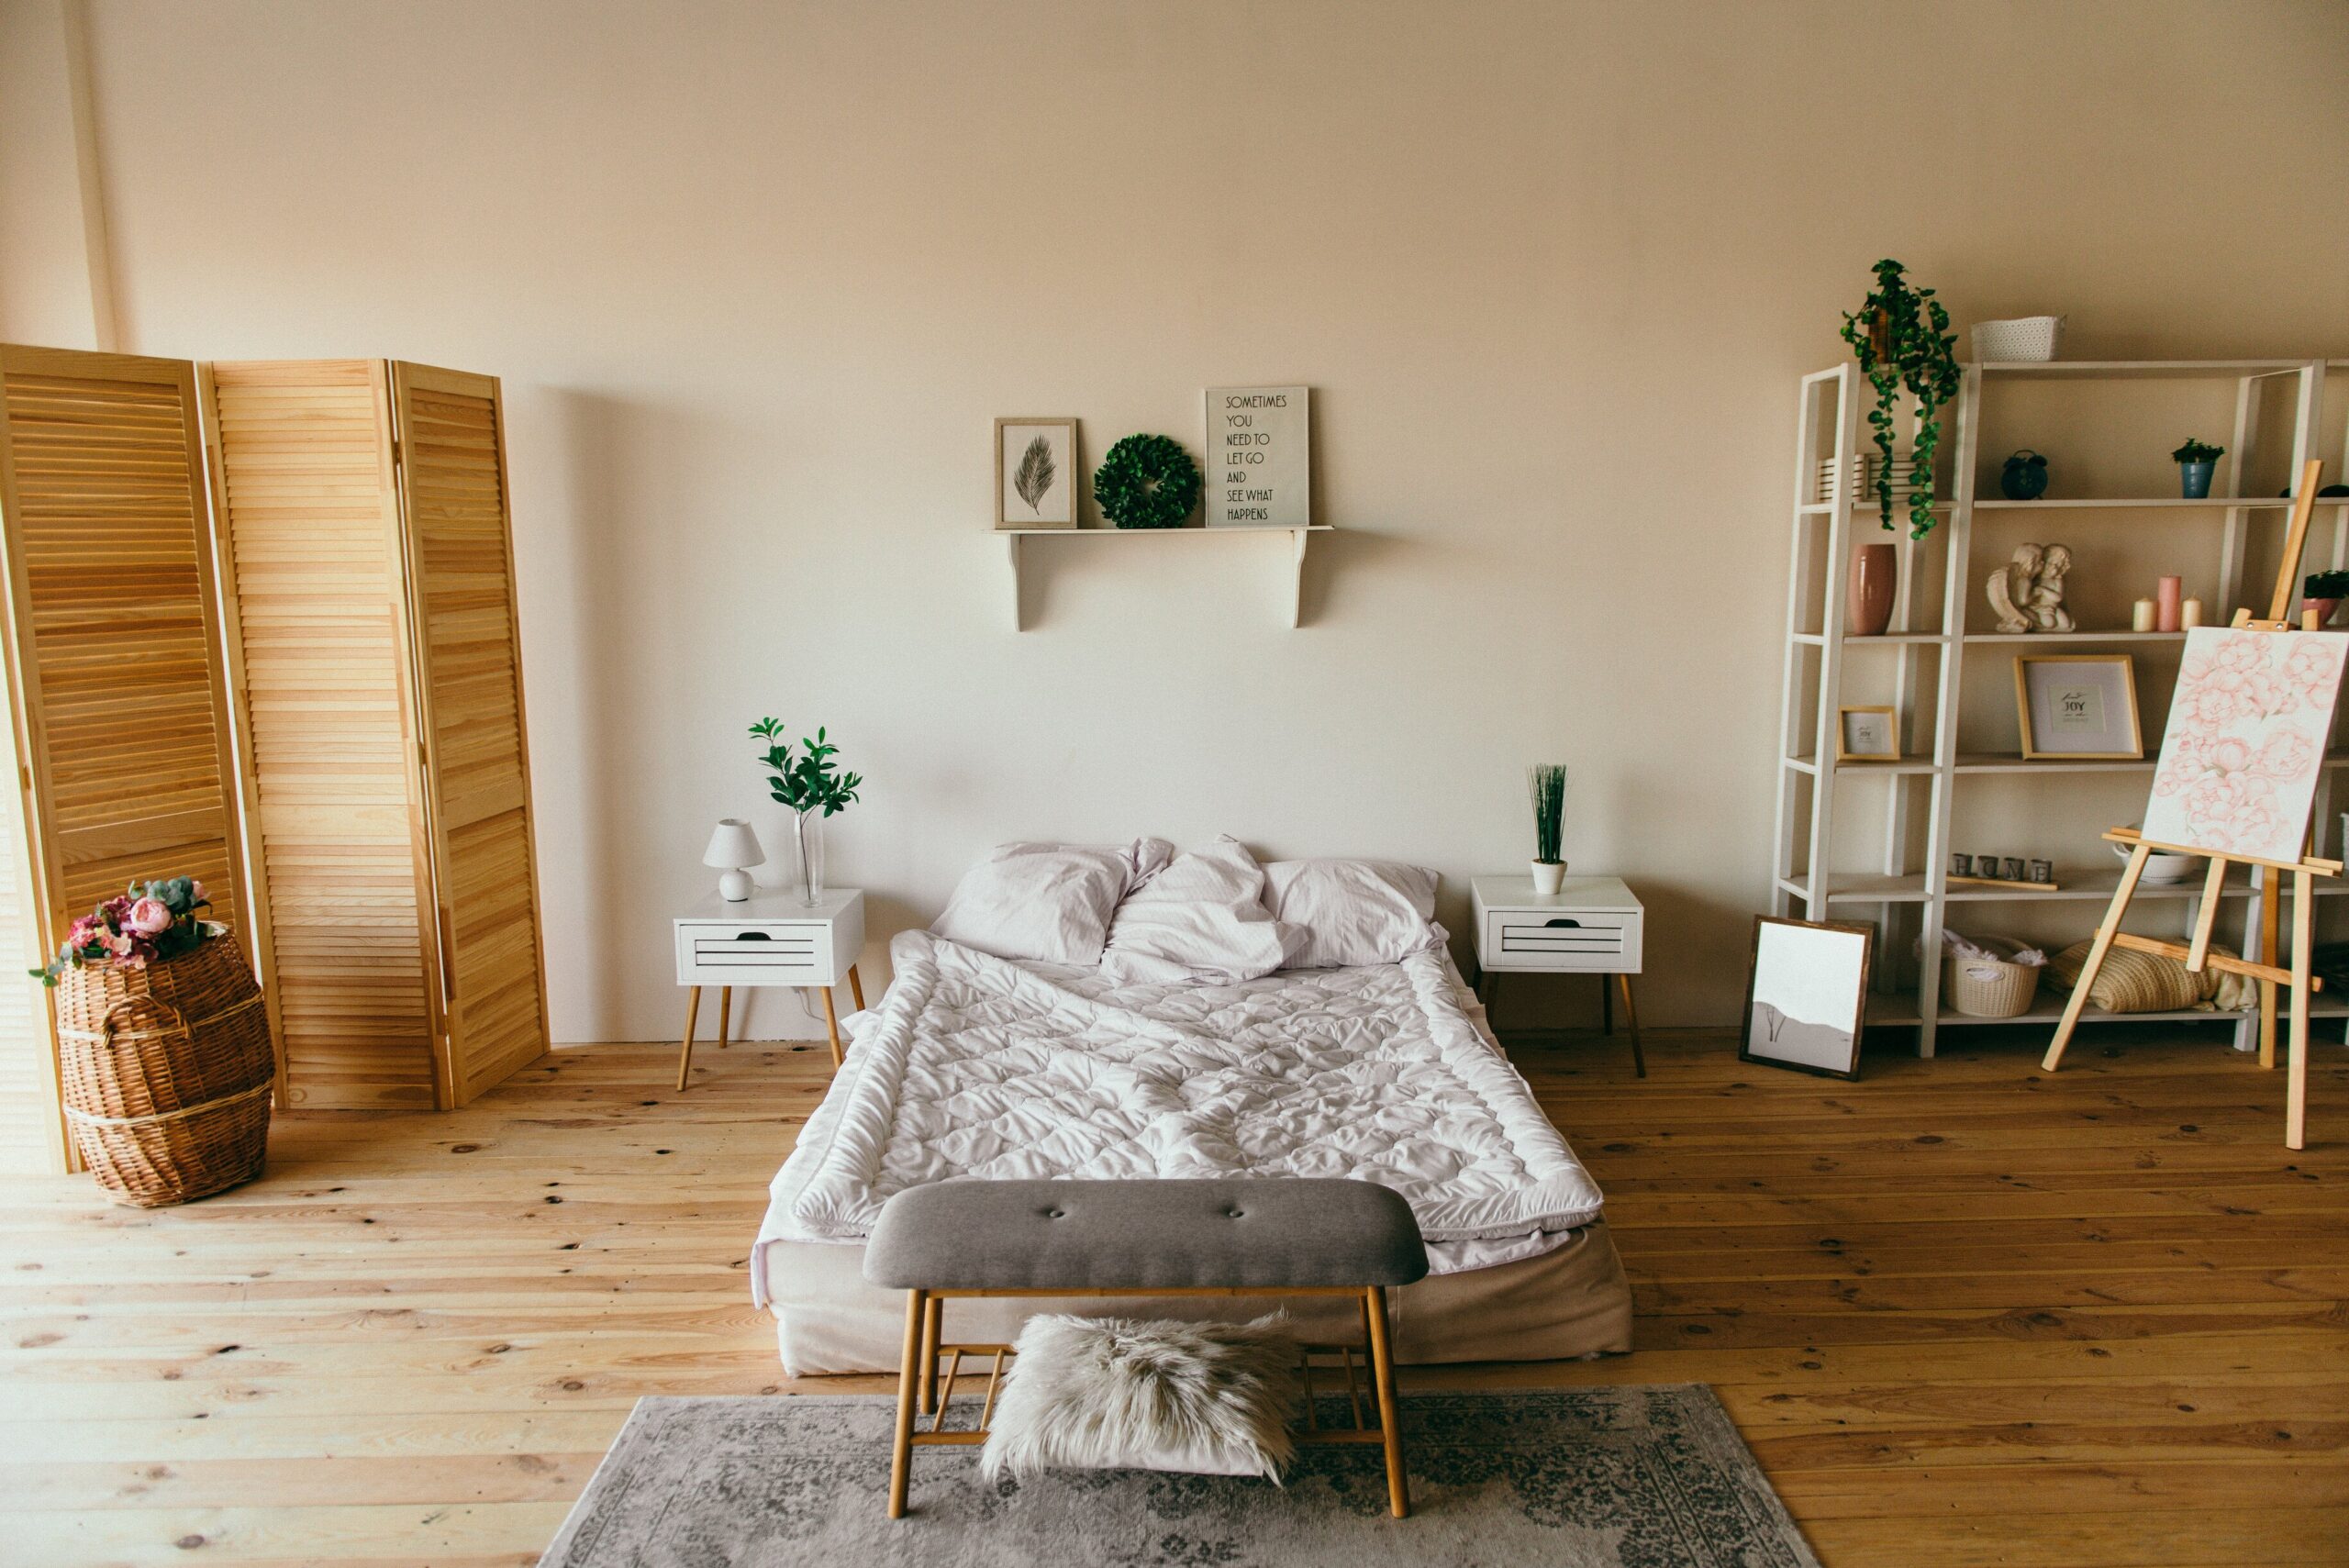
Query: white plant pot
1548,877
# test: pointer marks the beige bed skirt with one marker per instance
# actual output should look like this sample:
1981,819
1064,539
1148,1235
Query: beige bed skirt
1569,1303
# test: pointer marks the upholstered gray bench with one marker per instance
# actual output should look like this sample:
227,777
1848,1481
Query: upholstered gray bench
1269,1237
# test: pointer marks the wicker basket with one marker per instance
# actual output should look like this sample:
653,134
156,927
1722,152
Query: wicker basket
1990,989
166,1073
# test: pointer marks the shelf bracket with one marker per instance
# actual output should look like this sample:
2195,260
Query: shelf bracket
1296,581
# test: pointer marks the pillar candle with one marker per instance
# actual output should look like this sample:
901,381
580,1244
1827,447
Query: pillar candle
2141,616
2166,618
2191,614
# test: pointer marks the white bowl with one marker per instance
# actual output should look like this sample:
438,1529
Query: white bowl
2162,866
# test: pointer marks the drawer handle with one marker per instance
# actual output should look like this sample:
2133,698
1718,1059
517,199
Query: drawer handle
752,937
1561,920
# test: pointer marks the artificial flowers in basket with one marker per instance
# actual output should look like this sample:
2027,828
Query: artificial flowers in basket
164,1047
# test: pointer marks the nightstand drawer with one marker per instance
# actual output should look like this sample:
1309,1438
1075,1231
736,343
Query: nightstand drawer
792,953
1604,941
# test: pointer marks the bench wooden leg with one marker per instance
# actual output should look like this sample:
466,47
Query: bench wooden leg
929,1330
901,1456
1382,1373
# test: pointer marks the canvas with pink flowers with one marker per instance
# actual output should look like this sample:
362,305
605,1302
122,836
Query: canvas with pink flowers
2246,739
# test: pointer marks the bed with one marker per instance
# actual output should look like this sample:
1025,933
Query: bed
979,1066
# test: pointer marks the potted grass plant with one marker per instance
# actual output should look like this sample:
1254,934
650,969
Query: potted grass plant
1546,782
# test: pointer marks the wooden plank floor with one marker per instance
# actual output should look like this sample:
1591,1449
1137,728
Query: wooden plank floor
1965,1313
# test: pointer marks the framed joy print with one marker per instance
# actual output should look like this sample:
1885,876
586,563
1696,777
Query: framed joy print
1867,735
1035,473
2082,707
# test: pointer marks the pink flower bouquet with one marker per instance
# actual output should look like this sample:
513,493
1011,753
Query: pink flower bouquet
154,920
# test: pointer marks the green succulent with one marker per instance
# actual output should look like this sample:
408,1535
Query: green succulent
2199,451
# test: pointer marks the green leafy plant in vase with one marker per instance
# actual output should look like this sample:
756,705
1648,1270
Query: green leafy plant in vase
812,785
2196,460
1902,339
1545,783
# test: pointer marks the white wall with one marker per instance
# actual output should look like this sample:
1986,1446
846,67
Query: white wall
758,277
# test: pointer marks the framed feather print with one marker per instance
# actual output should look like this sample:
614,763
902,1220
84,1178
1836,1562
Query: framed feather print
1035,473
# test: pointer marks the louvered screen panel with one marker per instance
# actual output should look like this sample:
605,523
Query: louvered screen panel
310,552
122,703
32,1137
461,559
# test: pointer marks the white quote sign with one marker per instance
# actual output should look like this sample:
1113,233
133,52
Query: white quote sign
1258,453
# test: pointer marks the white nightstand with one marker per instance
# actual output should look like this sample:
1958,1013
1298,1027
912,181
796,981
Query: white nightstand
1592,925
768,938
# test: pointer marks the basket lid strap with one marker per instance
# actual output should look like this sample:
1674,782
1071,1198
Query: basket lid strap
88,1118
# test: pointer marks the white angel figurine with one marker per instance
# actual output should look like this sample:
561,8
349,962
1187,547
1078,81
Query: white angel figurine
2046,604
2011,586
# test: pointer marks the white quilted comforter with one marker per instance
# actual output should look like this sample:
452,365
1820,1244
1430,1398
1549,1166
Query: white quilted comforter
974,1067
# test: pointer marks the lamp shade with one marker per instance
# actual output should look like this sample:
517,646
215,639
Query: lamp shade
733,846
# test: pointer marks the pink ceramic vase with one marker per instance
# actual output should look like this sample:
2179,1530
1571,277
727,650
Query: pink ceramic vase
1867,602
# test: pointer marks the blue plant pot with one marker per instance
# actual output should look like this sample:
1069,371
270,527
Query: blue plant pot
2196,478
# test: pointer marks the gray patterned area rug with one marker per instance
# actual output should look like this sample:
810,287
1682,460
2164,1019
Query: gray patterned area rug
1640,1477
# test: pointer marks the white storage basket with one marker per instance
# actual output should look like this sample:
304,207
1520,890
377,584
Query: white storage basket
2030,340
1990,989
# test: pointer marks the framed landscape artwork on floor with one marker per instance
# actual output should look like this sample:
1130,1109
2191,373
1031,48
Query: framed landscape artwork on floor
1806,996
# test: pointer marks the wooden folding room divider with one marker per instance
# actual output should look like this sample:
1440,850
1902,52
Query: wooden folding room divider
367,558
119,703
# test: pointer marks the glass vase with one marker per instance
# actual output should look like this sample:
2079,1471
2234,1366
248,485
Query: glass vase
808,836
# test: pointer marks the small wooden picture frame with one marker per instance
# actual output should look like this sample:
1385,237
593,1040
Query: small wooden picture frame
1867,735
1806,995
2079,707
1036,473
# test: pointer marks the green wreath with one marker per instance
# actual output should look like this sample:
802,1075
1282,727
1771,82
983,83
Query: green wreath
1147,481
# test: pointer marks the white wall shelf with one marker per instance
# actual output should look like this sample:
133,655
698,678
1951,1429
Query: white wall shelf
1015,541
1910,891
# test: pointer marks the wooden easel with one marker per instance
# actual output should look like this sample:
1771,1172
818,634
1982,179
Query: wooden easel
2196,953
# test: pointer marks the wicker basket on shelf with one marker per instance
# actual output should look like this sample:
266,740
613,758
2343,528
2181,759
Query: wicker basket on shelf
1989,987
167,1072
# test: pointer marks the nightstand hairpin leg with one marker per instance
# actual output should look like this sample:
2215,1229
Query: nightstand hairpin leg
686,1053
831,1023
1632,1026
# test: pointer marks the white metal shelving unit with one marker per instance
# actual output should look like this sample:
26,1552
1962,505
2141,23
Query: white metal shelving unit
1830,423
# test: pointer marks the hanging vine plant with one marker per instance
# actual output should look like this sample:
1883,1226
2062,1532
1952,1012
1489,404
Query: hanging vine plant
1903,338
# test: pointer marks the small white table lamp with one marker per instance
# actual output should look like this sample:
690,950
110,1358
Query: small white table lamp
731,847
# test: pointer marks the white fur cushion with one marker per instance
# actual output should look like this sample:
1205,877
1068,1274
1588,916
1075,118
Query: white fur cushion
1353,912
1201,918
1051,902
1111,1393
